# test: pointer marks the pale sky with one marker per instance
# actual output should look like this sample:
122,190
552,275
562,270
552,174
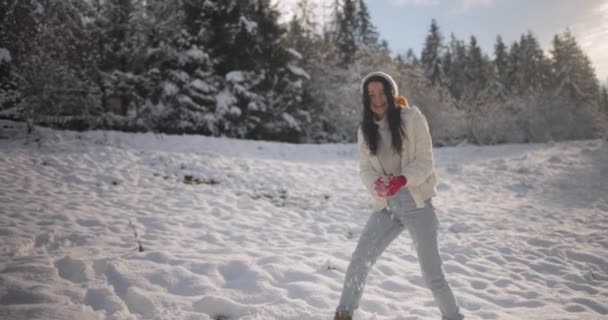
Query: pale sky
405,23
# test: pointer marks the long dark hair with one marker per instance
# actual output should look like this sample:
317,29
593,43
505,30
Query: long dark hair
393,112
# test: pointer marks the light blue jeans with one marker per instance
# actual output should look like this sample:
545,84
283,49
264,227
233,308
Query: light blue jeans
381,229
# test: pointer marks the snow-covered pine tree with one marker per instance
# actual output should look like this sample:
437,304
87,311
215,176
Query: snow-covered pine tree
573,72
346,33
456,75
20,23
302,37
534,72
474,80
513,69
501,60
121,50
283,81
52,63
430,58
304,16
179,86
575,91
411,58
182,88
9,93
366,31
479,72
446,62
476,66
18,26
326,76
331,19
262,80
116,23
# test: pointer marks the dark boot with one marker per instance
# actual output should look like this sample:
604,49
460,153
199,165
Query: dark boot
342,315
458,317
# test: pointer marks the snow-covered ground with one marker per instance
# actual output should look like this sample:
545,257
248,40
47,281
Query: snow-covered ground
236,229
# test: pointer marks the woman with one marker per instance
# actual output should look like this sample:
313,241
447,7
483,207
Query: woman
397,167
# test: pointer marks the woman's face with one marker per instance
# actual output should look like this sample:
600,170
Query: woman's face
377,98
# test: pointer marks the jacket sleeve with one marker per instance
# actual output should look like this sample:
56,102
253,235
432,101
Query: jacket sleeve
421,167
366,171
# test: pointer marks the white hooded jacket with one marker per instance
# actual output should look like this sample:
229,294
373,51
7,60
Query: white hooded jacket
415,162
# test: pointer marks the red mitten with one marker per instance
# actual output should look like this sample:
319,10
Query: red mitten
395,184
381,186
